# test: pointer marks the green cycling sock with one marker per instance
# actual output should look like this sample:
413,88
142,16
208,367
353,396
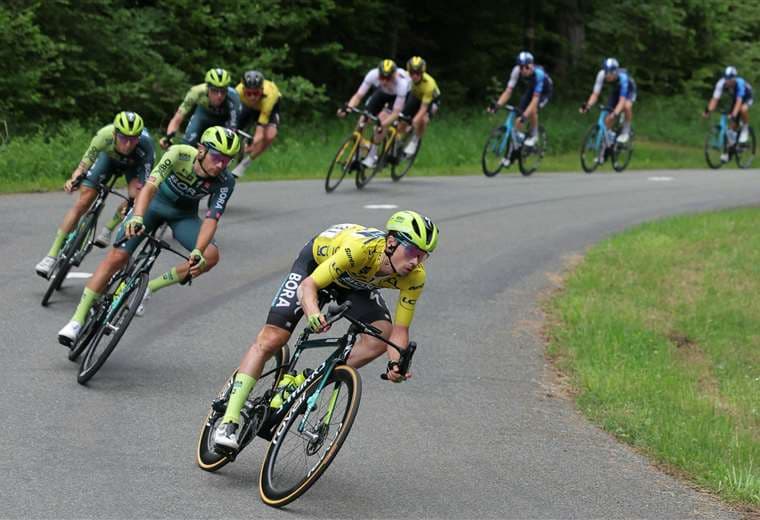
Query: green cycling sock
115,220
60,236
88,298
241,387
168,278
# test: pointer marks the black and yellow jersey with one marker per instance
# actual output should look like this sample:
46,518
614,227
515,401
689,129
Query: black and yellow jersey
426,89
350,255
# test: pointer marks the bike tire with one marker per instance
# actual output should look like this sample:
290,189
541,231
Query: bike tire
531,156
398,171
66,257
588,147
344,159
93,360
206,456
711,145
745,152
622,153
271,490
492,155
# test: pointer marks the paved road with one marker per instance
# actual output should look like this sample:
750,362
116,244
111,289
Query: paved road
476,434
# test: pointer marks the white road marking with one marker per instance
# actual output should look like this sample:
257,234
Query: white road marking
380,206
661,179
78,275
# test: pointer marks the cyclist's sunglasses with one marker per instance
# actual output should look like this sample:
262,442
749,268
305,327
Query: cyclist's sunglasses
524,67
413,251
128,139
217,90
219,157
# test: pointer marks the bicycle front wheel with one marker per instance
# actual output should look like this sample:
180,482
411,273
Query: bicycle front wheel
343,162
590,149
494,151
531,156
207,456
296,459
405,162
364,174
745,152
714,148
621,154
107,337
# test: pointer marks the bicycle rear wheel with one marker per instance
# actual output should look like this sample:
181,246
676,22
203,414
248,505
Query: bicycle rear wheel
206,455
590,150
621,154
342,163
494,151
97,353
295,460
714,147
531,156
405,162
745,152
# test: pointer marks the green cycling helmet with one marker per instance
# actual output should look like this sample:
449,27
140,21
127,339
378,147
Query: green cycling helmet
218,78
128,123
221,139
412,227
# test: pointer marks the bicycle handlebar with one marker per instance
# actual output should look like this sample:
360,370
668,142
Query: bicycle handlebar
162,244
243,134
364,113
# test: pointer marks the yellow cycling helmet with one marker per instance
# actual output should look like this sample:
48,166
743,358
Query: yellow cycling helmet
218,78
416,64
410,226
386,68
128,123
221,139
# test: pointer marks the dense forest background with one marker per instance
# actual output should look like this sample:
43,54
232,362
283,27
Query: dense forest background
84,60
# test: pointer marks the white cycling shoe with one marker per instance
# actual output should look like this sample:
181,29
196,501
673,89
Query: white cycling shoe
69,333
141,308
44,266
226,435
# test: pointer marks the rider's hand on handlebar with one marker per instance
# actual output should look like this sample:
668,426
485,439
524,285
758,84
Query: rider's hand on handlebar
492,107
394,375
342,111
318,323
197,262
584,108
71,185
134,226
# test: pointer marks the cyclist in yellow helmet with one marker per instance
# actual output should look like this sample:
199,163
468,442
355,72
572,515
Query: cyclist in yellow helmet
171,194
213,102
422,102
123,147
392,85
353,262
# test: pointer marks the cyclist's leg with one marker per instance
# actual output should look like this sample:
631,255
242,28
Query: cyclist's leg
284,314
186,227
266,133
744,117
198,123
370,307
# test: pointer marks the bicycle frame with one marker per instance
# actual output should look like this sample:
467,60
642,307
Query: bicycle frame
508,141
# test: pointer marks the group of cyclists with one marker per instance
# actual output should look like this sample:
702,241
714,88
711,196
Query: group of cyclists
352,260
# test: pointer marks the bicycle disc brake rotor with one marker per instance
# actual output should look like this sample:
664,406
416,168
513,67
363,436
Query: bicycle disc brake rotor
313,446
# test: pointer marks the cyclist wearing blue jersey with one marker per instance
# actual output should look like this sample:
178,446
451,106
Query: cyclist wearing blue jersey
742,100
621,99
536,96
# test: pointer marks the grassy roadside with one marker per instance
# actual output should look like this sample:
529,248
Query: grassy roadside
659,330
667,137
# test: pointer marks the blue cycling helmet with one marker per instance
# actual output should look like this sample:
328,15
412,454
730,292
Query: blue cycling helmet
524,58
730,72
610,65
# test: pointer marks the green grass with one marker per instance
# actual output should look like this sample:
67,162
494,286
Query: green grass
668,136
659,329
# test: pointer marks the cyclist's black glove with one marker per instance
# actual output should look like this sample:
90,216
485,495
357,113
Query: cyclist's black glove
584,107
493,107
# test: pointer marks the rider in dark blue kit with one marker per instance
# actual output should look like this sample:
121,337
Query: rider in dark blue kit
742,100
622,97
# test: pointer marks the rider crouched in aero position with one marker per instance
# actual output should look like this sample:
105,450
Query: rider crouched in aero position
354,262
422,102
213,103
124,146
171,194
742,100
535,97
621,100
260,100
392,85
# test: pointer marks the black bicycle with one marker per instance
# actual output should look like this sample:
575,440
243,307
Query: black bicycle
79,242
309,428
110,316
